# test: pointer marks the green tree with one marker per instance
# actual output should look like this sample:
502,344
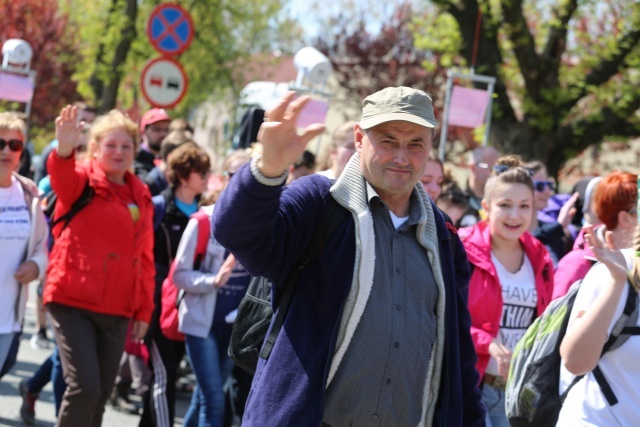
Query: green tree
567,70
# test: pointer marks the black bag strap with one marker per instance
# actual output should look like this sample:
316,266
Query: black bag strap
334,216
619,335
629,317
605,388
82,201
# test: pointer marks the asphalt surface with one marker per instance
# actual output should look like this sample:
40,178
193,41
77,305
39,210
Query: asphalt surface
29,360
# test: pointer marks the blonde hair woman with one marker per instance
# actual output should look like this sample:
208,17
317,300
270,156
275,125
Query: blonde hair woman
101,269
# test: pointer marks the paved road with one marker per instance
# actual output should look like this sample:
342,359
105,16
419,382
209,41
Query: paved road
28,362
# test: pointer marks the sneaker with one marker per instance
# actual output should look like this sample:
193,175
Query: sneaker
119,399
28,408
39,341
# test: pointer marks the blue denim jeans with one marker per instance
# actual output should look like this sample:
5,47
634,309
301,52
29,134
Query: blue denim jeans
493,400
50,370
212,366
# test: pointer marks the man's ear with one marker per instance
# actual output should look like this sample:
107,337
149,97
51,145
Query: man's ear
358,136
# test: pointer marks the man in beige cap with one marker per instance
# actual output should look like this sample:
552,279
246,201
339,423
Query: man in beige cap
377,332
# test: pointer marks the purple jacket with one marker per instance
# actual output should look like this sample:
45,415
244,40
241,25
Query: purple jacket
267,228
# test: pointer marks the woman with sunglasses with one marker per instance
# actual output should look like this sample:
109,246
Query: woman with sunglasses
187,173
511,280
23,232
554,235
614,204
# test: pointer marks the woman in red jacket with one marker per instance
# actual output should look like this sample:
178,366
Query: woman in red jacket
512,278
101,272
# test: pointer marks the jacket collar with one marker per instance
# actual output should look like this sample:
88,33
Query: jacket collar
98,180
28,185
477,243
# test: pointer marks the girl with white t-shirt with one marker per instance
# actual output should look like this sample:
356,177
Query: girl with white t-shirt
511,282
598,305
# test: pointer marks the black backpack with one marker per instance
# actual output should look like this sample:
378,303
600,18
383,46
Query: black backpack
255,310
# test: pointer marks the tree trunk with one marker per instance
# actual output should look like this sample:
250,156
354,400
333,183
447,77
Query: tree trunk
110,91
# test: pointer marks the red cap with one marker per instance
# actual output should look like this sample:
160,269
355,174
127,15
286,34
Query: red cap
152,116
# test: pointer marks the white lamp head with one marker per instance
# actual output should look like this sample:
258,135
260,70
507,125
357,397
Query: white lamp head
16,53
312,65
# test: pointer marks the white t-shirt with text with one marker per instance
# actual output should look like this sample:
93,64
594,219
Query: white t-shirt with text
519,298
15,224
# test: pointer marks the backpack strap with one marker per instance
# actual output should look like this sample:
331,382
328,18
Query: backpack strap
629,318
81,202
203,237
333,217
619,335
159,205
201,247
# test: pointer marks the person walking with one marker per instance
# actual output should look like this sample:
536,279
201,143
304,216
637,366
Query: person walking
188,171
212,290
377,331
512,278
101,270
23,233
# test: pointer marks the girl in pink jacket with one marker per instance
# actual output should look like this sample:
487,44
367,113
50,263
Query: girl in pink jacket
512,278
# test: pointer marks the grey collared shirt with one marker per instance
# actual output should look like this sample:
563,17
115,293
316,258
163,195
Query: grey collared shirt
381,379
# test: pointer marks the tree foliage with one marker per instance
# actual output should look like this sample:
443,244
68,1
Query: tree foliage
48,31
567,70
367,58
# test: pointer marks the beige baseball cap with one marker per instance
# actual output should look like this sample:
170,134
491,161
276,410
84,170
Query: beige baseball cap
398,103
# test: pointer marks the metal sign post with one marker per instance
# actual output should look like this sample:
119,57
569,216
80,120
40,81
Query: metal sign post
476,78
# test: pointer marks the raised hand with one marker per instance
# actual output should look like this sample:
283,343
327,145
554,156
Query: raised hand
281,144
608,254
568,211
68,130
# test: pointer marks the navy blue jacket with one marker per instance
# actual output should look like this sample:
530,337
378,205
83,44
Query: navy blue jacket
267,228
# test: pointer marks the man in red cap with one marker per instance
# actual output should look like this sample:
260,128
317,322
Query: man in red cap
154,126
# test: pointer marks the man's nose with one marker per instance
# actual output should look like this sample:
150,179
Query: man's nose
401,156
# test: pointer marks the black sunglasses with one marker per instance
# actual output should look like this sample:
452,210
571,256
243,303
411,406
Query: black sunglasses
14,144
540,185
503,168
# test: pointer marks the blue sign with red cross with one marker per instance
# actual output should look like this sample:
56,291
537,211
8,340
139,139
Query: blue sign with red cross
170,29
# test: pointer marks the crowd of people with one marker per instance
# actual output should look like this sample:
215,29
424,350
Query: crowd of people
408,316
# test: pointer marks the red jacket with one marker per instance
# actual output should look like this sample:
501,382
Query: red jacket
485,292
101,261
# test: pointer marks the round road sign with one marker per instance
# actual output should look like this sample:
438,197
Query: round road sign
170,29
163,82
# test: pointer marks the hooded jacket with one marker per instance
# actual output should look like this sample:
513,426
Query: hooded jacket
485,292
102,261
